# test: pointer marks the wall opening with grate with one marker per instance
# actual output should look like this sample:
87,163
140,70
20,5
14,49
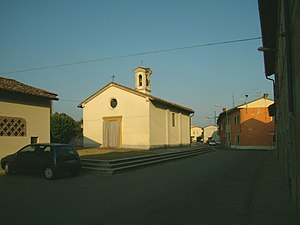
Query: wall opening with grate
12,126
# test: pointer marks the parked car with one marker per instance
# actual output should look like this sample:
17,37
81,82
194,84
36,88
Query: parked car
48,159
212,142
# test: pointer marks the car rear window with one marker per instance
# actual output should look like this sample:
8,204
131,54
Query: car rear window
65,151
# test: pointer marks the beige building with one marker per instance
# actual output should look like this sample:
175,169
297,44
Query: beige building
24,115
210,132
280,22
196,133
120,117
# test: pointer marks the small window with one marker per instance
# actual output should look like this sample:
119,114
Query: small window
34,140
173,120
238,139
113,103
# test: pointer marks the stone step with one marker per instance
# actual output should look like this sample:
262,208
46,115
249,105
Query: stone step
118,165
143,163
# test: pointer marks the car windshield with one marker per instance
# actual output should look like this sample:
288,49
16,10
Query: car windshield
65,150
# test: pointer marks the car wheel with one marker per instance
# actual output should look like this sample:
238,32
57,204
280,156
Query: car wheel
7,169
49,173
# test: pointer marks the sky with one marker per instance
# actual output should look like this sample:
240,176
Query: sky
206,78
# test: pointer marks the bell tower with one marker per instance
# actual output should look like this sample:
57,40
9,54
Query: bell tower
142,79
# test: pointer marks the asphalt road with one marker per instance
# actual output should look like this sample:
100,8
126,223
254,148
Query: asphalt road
214,188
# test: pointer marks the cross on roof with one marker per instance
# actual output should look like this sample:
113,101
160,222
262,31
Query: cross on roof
113,78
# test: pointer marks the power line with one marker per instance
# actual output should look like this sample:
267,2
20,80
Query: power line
132,55
70,100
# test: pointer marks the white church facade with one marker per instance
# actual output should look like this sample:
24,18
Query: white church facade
121,117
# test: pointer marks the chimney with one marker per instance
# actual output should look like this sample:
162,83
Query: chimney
266,95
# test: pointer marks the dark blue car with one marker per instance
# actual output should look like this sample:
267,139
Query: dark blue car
48,159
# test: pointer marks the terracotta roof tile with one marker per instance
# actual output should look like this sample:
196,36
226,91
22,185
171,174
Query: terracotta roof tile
16,86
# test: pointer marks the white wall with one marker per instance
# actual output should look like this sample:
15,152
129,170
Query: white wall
208,132
163,133
186,129
134,111
158,127
144,125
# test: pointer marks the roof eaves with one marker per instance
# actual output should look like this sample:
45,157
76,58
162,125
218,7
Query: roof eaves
81,105
268,21
164,102
152,98
112,84
18,87
246,103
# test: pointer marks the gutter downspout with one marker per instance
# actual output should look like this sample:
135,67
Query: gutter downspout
273,81
191,127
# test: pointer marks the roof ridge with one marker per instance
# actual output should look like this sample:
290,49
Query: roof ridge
252,102
152,97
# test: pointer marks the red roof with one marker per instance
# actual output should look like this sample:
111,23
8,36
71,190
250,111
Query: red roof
16,86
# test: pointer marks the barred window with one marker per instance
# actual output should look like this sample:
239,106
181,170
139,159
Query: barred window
12,126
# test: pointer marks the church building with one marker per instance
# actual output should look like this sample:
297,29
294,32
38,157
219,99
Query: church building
121,117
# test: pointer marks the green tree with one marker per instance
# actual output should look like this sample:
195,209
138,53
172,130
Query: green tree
63,128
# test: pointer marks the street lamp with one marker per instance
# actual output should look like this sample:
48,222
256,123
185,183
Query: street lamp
266,49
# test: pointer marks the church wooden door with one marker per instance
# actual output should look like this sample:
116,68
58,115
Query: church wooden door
112,132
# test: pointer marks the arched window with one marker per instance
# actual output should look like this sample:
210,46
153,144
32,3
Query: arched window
140,80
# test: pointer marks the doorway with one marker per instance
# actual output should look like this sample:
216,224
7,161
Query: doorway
112,132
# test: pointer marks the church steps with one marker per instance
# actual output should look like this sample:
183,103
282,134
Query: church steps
113,166
163,159
154,158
